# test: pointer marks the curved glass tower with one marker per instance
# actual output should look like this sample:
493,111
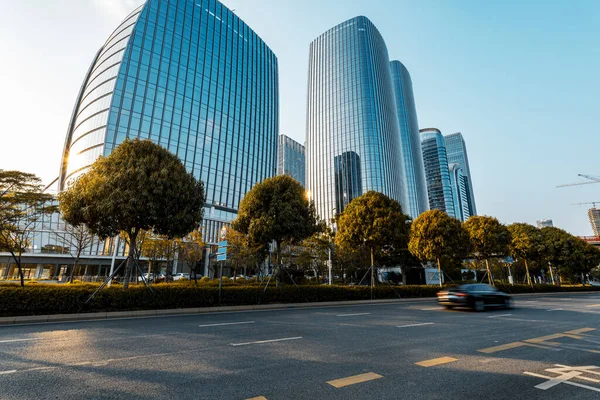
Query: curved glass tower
460,191
194,78
410,142
437,173
352,138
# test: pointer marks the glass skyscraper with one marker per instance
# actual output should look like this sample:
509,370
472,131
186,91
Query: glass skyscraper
437,173
410,142
460,192
457,153
353,137
291,159
194,78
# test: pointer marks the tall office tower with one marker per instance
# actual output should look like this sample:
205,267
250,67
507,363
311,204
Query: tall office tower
194,78
460,192
291,159
437,173
594,214
543,223
410,142
457,153
352,123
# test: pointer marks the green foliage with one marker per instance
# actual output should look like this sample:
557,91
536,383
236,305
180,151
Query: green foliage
570,254
276,210
526,241
139,186
435,235
488,236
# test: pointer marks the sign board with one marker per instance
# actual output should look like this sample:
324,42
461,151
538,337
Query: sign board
223,243
222,257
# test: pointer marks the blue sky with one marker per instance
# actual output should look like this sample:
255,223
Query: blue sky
519,79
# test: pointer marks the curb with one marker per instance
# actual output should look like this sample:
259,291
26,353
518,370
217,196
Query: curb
116,315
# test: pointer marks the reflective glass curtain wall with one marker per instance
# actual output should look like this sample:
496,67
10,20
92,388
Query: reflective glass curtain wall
351,117
194,78
437,173
410,142
457,153
292,159
460,192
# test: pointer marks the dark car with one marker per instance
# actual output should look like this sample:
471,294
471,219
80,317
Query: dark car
477,296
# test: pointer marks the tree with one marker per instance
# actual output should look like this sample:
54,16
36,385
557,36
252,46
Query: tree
435,235
139,186
76,239
276,210
191,248
22,206
525,244
241,253
489,238
374,221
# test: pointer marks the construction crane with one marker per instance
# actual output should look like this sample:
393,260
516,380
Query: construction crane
593,179
593,203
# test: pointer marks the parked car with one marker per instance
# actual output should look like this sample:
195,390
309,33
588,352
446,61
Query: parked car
476,296
181,275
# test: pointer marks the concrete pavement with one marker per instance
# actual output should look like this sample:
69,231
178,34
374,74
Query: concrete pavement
409,350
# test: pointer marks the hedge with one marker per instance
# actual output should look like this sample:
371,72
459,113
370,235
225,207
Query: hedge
64,299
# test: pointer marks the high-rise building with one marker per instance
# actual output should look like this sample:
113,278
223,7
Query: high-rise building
352,123
291,159
457,153
460,192
594,214
194,78
437,173
543,223
410,142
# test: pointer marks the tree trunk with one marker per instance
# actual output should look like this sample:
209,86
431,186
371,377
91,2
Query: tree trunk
528,275
21,274
372,271
130,257
439,271
487,266
276,272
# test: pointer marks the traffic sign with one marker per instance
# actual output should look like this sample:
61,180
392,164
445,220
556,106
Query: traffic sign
222,257
223,243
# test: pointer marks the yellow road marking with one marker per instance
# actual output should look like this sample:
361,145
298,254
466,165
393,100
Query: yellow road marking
545,338
582,330
258,398
502,347
352,380
593,305
436,361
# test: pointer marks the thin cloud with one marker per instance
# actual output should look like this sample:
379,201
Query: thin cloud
117,9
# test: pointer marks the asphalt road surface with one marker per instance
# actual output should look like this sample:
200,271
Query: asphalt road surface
548,347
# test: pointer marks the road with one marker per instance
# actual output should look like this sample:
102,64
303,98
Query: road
406,350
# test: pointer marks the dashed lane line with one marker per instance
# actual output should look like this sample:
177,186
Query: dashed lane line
353,380
410,325
265,341
18,340
258,398
227,323
353,315
499,316
436,361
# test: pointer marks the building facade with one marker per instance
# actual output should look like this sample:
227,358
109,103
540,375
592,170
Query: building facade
456,150
291,159
410,142
437,173
543,223
194,78
352,138
460,192
594,214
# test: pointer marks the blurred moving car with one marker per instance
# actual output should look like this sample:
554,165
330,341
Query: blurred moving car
181,275
477,296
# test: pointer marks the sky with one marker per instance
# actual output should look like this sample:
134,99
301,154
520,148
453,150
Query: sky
520,79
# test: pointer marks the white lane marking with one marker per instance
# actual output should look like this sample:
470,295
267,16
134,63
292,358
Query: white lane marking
18,340
562,379
431,308
352,315
501,315
406,326
266,341
227,323
556,309
12,371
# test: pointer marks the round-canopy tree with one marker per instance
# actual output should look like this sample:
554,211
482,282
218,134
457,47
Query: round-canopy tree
140,186
489,238
525,244
276,210
375,221
435,235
